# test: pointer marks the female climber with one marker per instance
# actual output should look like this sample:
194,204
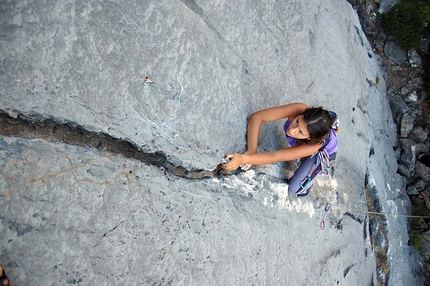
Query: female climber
311,133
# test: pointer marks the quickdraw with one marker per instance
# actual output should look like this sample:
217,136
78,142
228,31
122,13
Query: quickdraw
323,159
326,209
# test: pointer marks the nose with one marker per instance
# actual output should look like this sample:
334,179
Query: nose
294,128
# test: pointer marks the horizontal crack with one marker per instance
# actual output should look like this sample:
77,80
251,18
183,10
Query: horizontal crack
52,131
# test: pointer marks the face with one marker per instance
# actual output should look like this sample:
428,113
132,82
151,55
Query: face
298,128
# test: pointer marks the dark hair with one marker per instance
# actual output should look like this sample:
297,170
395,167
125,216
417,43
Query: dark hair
319,123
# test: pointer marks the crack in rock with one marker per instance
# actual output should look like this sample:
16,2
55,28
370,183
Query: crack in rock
377,230
193,6
104,235
51,130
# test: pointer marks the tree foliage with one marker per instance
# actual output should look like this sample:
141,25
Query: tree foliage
407,22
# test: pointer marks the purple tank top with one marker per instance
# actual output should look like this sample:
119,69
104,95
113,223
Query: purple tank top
330,145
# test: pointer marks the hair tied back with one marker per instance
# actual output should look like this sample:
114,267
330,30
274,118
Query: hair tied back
335,124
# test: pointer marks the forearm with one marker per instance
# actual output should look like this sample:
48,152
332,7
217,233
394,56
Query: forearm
286,154
259,158
253,132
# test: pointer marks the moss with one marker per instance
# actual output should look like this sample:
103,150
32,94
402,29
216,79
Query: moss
407,22
418,223
417,240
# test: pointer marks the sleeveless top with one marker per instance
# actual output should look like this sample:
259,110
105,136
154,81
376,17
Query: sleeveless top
330,143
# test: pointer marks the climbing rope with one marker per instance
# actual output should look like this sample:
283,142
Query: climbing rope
366,212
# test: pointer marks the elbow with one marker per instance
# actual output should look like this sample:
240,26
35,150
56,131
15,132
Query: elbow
256,117
253,116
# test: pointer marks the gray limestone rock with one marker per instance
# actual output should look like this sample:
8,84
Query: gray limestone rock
398,107
79,215
404,171
395,52
385,5
426,237
412,190
418,134
416,97
406,125
422,148
180,79
422,171
414,58
409,153
380,240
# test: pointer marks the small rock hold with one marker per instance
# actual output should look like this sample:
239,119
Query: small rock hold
408,156
415,97
402,170
398,106
406,125
395,52
380,240
422,171
418,134
147,79
414,58
385,5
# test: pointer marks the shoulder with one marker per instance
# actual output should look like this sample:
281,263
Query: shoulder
331,137
290,110
331,143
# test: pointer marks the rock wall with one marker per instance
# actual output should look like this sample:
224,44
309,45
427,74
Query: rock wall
406,93
180,78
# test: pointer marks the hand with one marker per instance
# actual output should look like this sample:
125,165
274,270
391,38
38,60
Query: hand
235,161
246,167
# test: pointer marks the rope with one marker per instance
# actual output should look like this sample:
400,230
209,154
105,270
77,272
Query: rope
364,211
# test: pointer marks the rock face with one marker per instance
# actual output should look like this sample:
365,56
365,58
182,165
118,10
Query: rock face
181,78
406,92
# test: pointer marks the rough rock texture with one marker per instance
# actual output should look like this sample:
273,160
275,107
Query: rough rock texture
85,63
98,218
407,92
79,214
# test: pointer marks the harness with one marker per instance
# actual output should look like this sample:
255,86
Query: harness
323,159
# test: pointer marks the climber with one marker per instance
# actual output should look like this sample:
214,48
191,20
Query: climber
311,133
3,278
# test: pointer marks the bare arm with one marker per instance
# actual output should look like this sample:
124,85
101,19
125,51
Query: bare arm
257,119
254,126
286,154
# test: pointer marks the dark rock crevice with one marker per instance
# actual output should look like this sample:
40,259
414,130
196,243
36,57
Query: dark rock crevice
52,130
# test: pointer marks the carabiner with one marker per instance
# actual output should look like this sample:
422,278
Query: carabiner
305,182
326,209
322,225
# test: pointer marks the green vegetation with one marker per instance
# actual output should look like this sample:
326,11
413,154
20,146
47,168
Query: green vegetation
416,239
407,22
